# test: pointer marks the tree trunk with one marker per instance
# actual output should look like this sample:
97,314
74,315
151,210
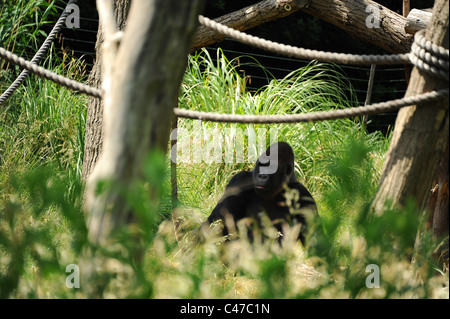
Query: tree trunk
439,211
437,208
352,16
349,15
147,74
247,18
94,120
421,133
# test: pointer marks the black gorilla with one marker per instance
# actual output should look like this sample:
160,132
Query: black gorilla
248,195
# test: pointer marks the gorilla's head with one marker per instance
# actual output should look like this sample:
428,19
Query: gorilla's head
274,170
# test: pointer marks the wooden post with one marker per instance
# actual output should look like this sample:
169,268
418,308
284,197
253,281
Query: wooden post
369,89
421,132
406,7
417,20
173,177
173,162
148,70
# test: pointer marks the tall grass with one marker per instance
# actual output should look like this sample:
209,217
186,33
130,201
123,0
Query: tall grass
41,123
41,154
35,249
21,24
44,123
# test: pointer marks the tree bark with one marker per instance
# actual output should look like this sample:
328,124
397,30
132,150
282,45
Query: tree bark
94,120
439,211
147,74
421,133
247,18
351,16
417,20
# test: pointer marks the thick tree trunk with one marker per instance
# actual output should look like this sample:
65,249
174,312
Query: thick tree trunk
349,15
94,120
421,133
247,18
145,80
439,201
352,15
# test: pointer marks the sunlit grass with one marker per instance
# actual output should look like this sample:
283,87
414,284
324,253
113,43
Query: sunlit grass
217,85
44,122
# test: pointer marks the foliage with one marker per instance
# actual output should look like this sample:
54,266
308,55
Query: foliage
42,227
43,122
43,230
21,24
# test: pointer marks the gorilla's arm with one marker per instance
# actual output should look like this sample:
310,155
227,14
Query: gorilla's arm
306,201
233,201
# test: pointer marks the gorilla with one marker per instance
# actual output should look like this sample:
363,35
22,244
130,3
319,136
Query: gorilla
270,189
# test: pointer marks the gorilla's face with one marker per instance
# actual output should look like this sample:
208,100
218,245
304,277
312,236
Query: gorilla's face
272,172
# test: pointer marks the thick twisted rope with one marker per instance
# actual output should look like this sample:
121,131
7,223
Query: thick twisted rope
40,71
425,55
39,54
315,116
429,57
301,53
205,116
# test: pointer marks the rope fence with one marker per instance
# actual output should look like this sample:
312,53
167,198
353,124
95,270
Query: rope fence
315,116
49,75
39,54
426,56
300,53
279,66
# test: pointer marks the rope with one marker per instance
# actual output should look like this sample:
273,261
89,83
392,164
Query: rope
315,116
301,53
39,54
429,57
426,56
40,71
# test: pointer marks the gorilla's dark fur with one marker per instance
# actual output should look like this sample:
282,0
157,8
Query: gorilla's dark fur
250,195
